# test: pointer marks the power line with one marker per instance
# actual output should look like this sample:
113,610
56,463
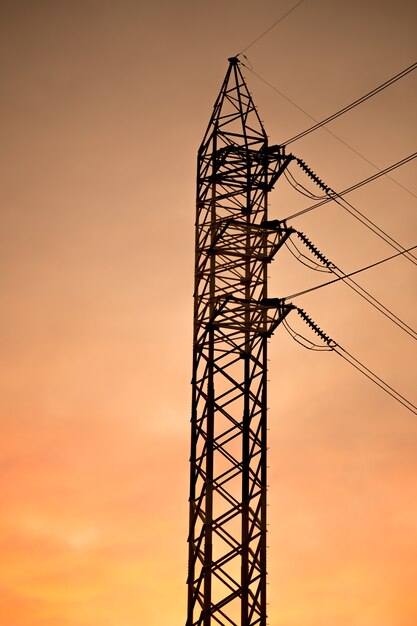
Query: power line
303,341
351,148
297,106
365,181
349,358
402,324
280,19
300,188
364,158
352,105
374,378
336,197
300,256
376,229
369,298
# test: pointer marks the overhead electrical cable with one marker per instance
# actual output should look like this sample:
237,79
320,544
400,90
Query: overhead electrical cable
347,206
297,106
376,229
363,293
299,187
329,266
365,181
370,299
362,269
371,163
280,19
335,347
352,105
327,129
375,379
312,265
303,341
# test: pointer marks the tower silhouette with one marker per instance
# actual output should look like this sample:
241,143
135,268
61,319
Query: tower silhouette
233,320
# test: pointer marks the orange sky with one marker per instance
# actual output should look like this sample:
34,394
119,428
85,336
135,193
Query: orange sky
103,106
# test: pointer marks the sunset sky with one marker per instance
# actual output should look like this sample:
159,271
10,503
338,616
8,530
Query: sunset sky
103,105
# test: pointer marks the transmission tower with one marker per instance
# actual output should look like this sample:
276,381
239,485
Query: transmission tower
233,320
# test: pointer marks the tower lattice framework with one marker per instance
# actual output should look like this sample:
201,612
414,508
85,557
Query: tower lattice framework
233,319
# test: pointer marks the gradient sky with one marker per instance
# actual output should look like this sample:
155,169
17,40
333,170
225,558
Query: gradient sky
103,105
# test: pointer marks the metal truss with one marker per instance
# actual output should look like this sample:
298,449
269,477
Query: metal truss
233,320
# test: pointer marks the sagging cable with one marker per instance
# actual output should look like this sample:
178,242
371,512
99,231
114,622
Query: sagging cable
347,206
346,278
312,265
303,341
330,344
295,184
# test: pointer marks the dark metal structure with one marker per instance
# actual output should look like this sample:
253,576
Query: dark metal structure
233,319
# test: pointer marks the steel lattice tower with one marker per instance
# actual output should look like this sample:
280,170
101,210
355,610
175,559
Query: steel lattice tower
233,320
